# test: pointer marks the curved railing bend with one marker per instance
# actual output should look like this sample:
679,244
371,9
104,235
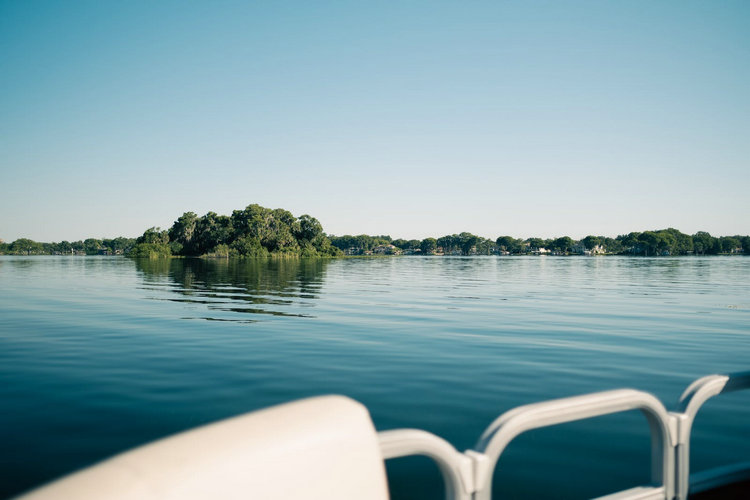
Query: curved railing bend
691,401
455,467
519,420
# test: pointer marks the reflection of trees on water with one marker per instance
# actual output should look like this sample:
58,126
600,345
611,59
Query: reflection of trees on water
21,263
280,287
670,270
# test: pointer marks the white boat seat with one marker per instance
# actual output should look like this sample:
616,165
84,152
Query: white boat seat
318,448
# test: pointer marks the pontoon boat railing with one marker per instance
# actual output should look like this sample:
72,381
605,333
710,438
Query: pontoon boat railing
457,468
691,400
468,475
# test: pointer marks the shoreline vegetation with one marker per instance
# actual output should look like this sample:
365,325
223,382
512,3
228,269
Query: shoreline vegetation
259,232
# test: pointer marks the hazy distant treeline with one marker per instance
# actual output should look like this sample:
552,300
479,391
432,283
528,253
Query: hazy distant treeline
90,246
261,232
649,243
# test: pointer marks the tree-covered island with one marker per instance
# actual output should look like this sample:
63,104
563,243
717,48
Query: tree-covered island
259,232
253,232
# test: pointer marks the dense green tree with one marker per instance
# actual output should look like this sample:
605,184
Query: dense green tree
119,244
252,222
406,244
428,245
249,246
464,243
371,242
309,228
91,246
661,242
629,242
467,242
448,243
562,244
359,244
152,244
705,244
273,229
64,247
613,245
25,246
648,243
183,231
508,244
154,235
667,243
176,248
211,230
729,244
683,243
284,226
400,243
364,242
591,242
535,243
344,243
222,250
485,246
745,244
320,246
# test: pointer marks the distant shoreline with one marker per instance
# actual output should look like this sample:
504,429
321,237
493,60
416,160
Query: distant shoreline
373,257
260,232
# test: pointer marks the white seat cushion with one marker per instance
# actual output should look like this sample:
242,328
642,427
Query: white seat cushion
318,448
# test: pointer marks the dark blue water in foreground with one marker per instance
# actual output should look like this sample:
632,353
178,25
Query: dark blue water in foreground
98,355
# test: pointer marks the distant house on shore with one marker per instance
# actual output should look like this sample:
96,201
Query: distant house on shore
386,250
580,249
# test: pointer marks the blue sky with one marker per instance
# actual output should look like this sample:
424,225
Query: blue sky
410,118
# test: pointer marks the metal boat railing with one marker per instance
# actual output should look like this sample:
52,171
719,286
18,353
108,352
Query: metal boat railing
690,402
468,475
457,468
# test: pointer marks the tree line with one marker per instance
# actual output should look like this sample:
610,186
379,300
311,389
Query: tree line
89,246
256,231
647,243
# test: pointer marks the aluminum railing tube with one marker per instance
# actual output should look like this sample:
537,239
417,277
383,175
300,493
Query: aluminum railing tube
690,402
524,418
455,467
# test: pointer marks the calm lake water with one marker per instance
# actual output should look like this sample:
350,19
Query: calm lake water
100,354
